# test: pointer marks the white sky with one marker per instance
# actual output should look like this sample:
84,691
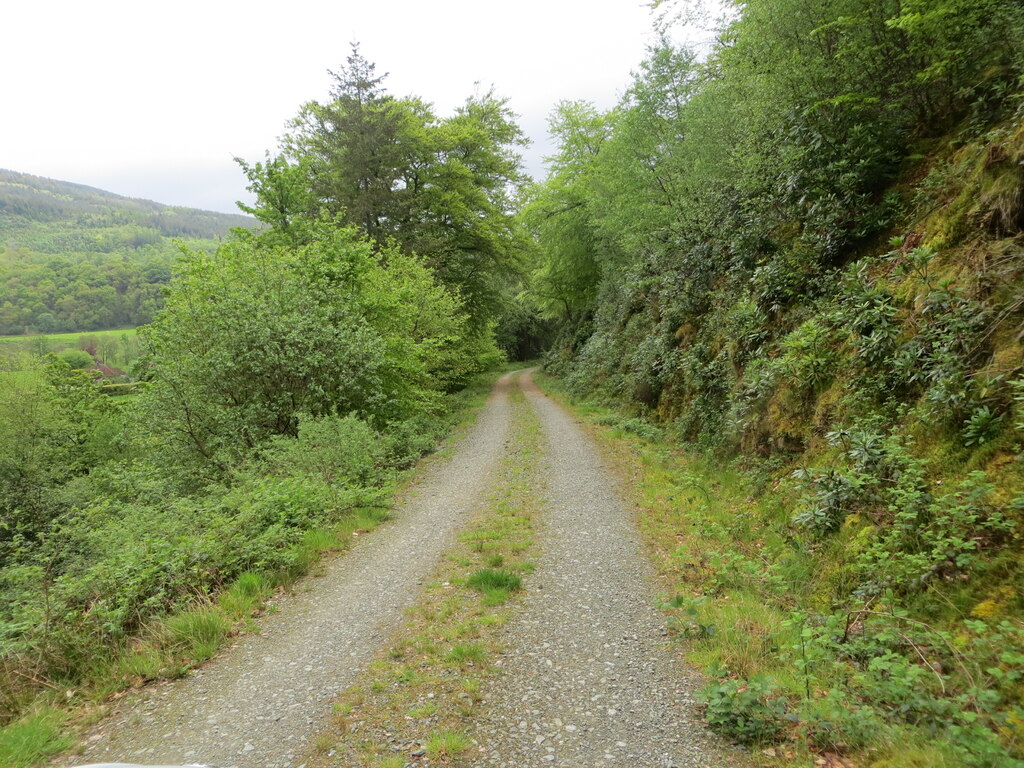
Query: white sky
153,100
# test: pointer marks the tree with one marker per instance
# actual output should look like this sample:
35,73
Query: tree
561,216
441,188
262,332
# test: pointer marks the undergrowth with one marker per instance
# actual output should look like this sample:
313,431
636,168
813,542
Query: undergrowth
879,621
153,613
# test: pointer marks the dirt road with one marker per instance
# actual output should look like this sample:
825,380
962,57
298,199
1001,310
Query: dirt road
258,704
590,678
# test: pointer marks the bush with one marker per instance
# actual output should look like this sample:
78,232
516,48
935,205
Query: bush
75,358
748,711
340,451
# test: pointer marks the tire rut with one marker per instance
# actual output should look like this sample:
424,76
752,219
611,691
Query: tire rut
589,678
258,705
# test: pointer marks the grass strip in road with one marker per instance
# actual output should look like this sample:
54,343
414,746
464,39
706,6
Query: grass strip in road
416,700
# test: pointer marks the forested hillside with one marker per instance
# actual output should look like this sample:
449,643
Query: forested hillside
803,253
74,258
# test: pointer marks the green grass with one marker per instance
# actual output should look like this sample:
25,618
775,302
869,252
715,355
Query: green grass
491,578
63,340
118,348
462,653
246,594
33,738
447,744
199,633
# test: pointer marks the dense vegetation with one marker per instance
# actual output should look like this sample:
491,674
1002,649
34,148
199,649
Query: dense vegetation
289,375
804,252
73,258
800,256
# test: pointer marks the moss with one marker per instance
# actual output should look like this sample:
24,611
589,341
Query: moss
987,609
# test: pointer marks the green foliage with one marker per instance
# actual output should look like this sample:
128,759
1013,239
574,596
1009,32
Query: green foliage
390,167
287,376
751,712
54,427
982,425
338,451
260,333
75,358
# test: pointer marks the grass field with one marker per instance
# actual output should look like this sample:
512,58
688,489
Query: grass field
118,348
66,339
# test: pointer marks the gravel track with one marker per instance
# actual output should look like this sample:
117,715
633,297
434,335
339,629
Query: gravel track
259,705
590,679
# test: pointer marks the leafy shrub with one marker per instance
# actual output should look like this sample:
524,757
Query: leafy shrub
828,497
641,428
809,356
933,535
833,723
748,711
75,358
341,451
982,425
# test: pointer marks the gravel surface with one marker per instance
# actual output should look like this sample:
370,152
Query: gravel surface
258,705
590,679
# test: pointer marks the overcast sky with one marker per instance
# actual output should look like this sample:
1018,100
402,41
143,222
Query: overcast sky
154,100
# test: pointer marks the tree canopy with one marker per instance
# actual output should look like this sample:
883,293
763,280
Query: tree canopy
440,187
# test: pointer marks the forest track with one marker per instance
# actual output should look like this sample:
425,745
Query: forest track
590,678
258,705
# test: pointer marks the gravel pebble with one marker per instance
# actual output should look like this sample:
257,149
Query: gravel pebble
589,678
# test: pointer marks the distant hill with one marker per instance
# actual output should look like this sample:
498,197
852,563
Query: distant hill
76,258
27,200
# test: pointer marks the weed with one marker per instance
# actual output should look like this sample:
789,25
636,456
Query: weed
423,710
32,739
245,595
199,633
446,744
324,743
488,579
750,711
463,653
